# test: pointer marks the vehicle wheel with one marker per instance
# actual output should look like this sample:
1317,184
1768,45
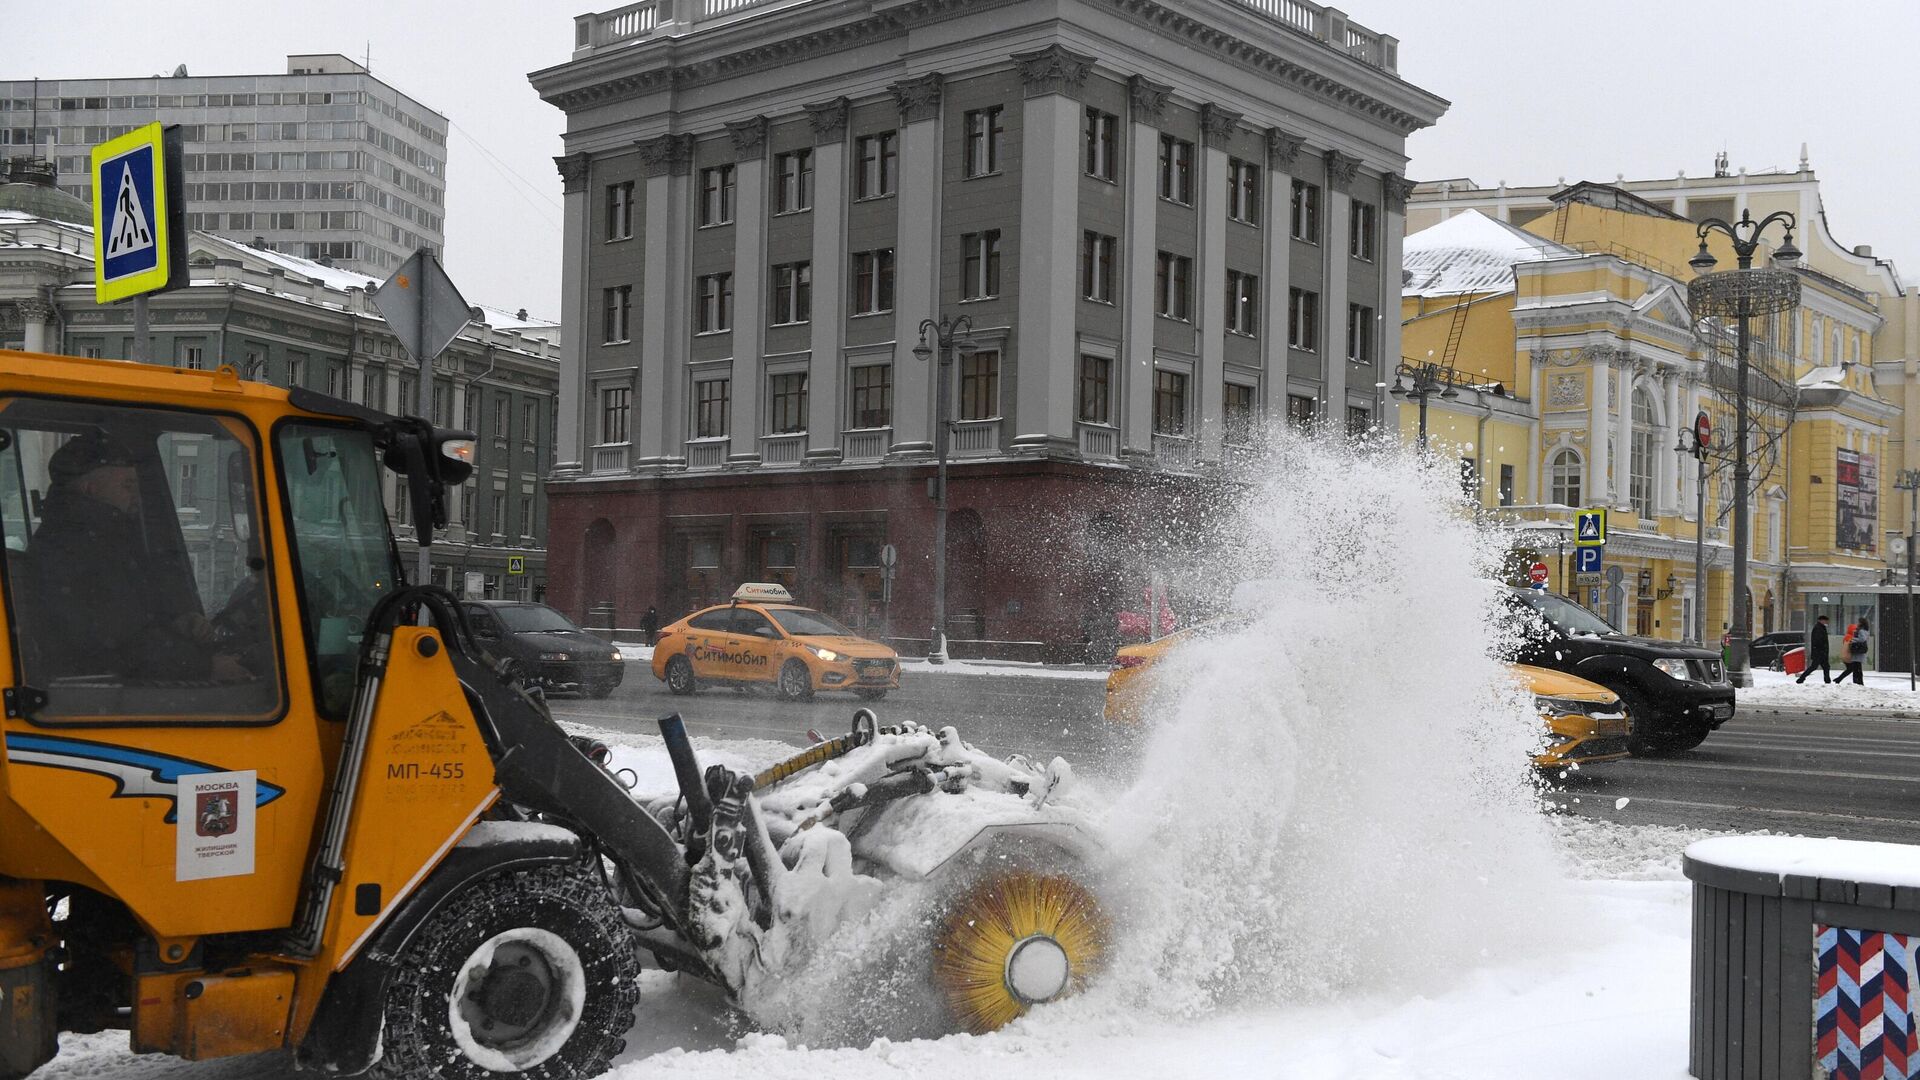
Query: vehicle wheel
680,678
1017,940
1655,734
795,684
525,972
870,693
599,690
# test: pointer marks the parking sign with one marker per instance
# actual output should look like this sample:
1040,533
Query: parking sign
139,245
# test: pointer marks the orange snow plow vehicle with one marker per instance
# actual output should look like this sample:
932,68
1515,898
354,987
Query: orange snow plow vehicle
259,792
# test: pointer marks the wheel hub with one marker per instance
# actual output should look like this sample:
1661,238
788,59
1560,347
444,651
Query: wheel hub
511,998
1037,969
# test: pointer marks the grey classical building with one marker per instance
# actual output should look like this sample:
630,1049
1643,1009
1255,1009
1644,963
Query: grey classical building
1164,221
286,320
325,162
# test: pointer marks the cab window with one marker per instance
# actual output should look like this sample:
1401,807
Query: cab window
720,619
802,622
753,624
135,578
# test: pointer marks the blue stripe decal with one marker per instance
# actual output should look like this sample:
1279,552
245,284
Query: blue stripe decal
164,768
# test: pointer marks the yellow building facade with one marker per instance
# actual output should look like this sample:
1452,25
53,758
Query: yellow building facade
1576,365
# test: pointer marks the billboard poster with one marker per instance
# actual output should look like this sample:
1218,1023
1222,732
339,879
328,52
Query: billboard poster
1857,495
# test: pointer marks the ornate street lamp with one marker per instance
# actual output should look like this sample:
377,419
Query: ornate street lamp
1742,295
1696,441
1427,380
949,338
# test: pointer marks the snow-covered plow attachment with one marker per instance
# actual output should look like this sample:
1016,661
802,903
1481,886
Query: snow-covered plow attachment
780,858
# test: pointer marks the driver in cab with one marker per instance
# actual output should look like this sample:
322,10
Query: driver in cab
107,609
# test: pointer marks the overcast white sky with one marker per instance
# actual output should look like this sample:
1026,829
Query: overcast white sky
1539,91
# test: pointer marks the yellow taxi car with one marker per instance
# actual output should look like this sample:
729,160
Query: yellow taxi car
1585,721
763,637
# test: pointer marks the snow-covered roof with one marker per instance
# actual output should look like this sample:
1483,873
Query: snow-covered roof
1827,375
1471,253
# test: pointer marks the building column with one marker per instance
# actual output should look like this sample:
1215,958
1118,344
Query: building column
749,294
1340,172
830,269
665,294
1043,412
1623,438
1209,314
916,261
571,434
1598,492
1689,469
1393,237
1140,246
35,312
1666,463
1283,150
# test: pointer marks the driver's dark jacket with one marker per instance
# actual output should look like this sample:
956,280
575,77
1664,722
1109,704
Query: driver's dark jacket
103,607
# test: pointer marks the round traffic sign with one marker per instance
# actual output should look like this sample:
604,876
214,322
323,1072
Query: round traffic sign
1537,572
1703,430
889,555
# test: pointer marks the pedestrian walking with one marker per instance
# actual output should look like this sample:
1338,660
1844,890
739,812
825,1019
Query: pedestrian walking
650,624
1817,652
1857,644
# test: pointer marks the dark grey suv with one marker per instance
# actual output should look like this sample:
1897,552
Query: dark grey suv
547,644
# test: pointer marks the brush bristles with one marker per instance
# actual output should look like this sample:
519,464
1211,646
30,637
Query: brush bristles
970,960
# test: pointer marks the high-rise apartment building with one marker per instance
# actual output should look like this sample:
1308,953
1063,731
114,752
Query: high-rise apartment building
325,162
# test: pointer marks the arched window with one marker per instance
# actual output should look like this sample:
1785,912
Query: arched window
1640,469
1565,473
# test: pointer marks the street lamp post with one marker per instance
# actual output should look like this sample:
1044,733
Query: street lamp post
1695,442
949,338
1744,296
1427,380
1909,482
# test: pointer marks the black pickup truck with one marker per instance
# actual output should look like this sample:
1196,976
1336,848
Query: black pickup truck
1675,695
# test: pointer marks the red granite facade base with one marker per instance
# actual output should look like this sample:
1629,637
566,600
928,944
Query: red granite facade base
1038,551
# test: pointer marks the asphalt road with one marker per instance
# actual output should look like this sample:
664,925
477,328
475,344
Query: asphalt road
1856,777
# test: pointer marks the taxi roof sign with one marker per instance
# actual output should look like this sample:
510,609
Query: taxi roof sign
763,592
139,244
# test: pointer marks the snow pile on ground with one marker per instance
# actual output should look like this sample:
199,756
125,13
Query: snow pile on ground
633,652
1884,692
912,667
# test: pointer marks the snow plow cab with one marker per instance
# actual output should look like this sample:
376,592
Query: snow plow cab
259,792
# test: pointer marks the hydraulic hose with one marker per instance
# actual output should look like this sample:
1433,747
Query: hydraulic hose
864,725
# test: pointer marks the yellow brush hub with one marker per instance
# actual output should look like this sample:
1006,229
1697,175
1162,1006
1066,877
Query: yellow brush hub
1015,941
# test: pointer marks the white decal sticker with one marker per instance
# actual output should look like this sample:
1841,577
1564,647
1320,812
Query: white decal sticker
215,825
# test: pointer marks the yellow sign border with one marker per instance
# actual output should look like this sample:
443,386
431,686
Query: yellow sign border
1578,514
519,561
146,281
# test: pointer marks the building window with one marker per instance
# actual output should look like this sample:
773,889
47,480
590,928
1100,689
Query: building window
502,420
716,195
620,211
715,292
1470,478
1243,303
1359,419
1360,231
402,503
711,400
1176,170
878,161
980,269
1359,333
1565,472
1096,266
1096,389
188,491
1237,412
792,293
980,385
872,281
498,505
787,403
526,515
530,421
984,131
616,403
1102,130
1303,319
296,371
1169,403
1243,191
1301,412
1306,212
617,305
442,404
1173,286
872,395
793,181
1506,485
192,357
1640,466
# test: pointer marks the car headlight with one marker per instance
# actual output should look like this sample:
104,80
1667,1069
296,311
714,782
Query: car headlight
615,657
1560,706
1674,668
826,654
553,656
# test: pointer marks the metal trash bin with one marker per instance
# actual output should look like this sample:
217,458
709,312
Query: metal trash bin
1803,958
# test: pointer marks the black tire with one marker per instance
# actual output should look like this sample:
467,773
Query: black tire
795,683
871,693
680,678
1656,734
530,998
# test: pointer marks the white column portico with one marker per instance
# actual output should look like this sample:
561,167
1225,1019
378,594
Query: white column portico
1393,239
829,122
1147,100
1050,217
1333,248
1598,491
916,296
749,296
1209,314
1623,438
666,162
571,434
1283,150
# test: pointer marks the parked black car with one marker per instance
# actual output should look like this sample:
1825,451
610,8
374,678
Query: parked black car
547,644
1675,695
1767,649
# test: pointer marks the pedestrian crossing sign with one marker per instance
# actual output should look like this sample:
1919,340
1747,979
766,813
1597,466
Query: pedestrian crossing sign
1590,527
139,245
516,564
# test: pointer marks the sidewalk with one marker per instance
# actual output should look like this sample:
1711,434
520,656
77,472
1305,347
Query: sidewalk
1885,696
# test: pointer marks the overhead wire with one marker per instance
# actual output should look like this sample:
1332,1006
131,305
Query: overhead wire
523,185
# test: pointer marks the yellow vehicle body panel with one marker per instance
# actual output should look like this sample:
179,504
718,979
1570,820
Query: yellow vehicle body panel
725,656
